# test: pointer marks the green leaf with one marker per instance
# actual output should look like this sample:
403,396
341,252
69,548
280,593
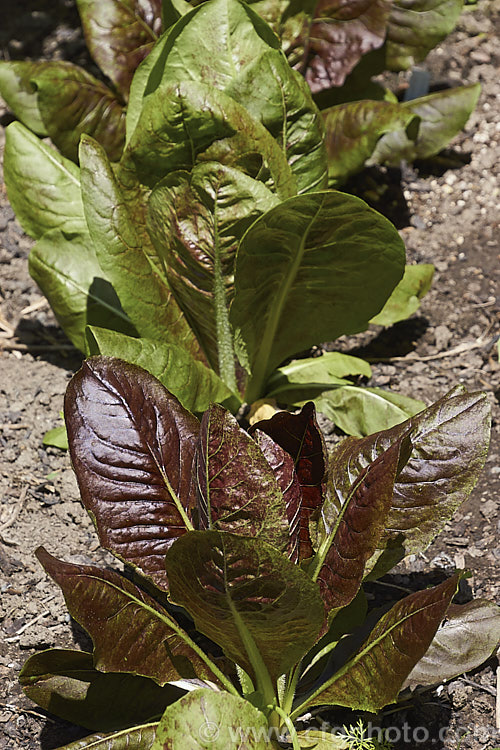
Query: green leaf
292,267
237,488
195,385
122,254
57,437
360,410
120,34
43,187
373,677
352,132
219,721
135,738
442,115
315,739
417,26
289,114
67,684
450,442
405,299
467,637
65,268
183,124
323,371
196,220
132,446
19,94
72,102
131,632
247,597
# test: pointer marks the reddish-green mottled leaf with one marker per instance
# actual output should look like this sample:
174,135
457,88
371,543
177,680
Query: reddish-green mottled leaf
183,124
441,116
237,488
120,34
135,738
467,637
217,721
196,220
67,684
246,596
283,467
330,44
132,446
125,254
300,436
352,132
373,677
131,632
417,26
72,102
346,540
450,440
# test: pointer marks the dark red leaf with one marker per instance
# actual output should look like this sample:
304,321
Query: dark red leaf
300,436
237,488
132,446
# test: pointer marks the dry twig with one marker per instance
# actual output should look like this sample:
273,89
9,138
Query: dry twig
14,514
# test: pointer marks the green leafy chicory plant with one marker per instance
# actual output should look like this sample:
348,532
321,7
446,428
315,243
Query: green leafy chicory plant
213,252
243,607
337,47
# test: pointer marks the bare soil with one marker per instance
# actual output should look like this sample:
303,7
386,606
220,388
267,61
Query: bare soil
448,214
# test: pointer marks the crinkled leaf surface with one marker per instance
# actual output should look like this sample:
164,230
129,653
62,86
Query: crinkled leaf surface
219,721
373,677
300,436
196,220
450,441
466,638
442,115
405,299
283,467
72,102
246,596
119,35
226,45
65,267
311,269
289,114
360,410
189,122
121,249
331,43
195,385
136,738
131,632
67,684
237,488
132,446
19,94
417,26
347,539
352,132
43,186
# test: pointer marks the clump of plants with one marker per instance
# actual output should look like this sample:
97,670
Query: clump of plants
213,253
243,605
337,47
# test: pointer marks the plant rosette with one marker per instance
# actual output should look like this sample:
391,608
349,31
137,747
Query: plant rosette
243,604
